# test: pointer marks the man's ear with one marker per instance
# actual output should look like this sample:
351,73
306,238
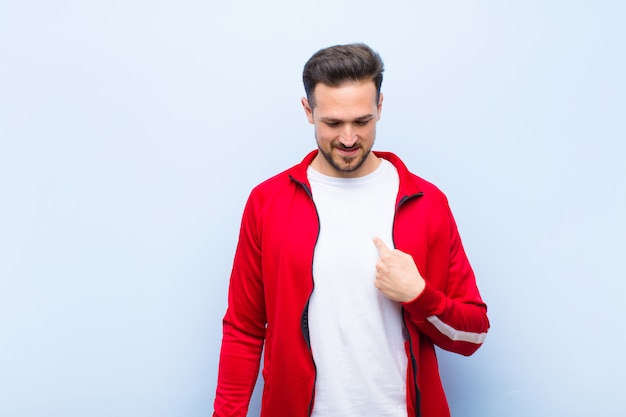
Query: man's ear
380,106
308,110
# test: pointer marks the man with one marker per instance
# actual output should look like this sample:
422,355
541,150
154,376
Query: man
349,270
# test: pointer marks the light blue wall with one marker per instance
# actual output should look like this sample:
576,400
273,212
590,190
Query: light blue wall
132,131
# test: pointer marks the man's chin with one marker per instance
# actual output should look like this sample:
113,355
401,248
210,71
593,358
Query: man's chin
344,164
348,165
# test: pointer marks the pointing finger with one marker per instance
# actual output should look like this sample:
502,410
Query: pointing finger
382,248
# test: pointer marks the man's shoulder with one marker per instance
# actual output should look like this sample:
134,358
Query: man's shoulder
274,183
287,179
427,186
411,183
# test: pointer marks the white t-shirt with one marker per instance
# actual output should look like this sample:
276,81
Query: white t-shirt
356,332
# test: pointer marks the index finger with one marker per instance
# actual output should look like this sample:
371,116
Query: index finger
380,245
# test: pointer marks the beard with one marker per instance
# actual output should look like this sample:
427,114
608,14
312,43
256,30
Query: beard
344,164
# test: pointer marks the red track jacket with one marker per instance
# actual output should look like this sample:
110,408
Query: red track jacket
271,283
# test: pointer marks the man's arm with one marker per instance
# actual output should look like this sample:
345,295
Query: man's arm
455,319
243,325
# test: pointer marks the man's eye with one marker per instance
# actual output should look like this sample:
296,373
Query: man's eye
332,124
362,122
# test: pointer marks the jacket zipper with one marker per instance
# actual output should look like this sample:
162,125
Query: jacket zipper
304,320
418,411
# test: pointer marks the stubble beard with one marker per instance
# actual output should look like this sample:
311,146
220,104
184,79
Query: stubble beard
347,167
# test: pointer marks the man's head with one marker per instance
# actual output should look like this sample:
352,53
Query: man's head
344,104
342,64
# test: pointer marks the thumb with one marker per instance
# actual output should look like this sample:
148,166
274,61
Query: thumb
380,245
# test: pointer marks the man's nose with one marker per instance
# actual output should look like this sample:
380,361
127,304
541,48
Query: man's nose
348,136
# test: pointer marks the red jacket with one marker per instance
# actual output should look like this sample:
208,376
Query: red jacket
271,283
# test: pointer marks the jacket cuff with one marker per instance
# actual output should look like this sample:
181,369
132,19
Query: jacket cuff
430,302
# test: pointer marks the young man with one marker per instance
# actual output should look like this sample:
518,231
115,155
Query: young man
349,270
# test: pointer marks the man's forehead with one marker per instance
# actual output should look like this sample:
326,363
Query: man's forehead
346,95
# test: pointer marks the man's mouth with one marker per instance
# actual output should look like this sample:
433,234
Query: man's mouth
348,151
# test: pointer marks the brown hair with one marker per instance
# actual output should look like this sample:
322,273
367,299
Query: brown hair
339,64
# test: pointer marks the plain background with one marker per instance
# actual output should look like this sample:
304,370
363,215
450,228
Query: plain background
131,133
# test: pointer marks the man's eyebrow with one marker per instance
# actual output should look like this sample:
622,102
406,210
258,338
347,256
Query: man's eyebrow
358,119
330,120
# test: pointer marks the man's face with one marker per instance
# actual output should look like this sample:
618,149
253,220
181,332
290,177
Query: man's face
345,120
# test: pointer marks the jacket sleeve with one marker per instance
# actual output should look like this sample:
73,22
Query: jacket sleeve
243,324
450,310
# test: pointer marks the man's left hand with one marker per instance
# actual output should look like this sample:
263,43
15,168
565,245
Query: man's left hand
397,276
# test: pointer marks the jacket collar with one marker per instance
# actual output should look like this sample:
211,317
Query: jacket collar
408,182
